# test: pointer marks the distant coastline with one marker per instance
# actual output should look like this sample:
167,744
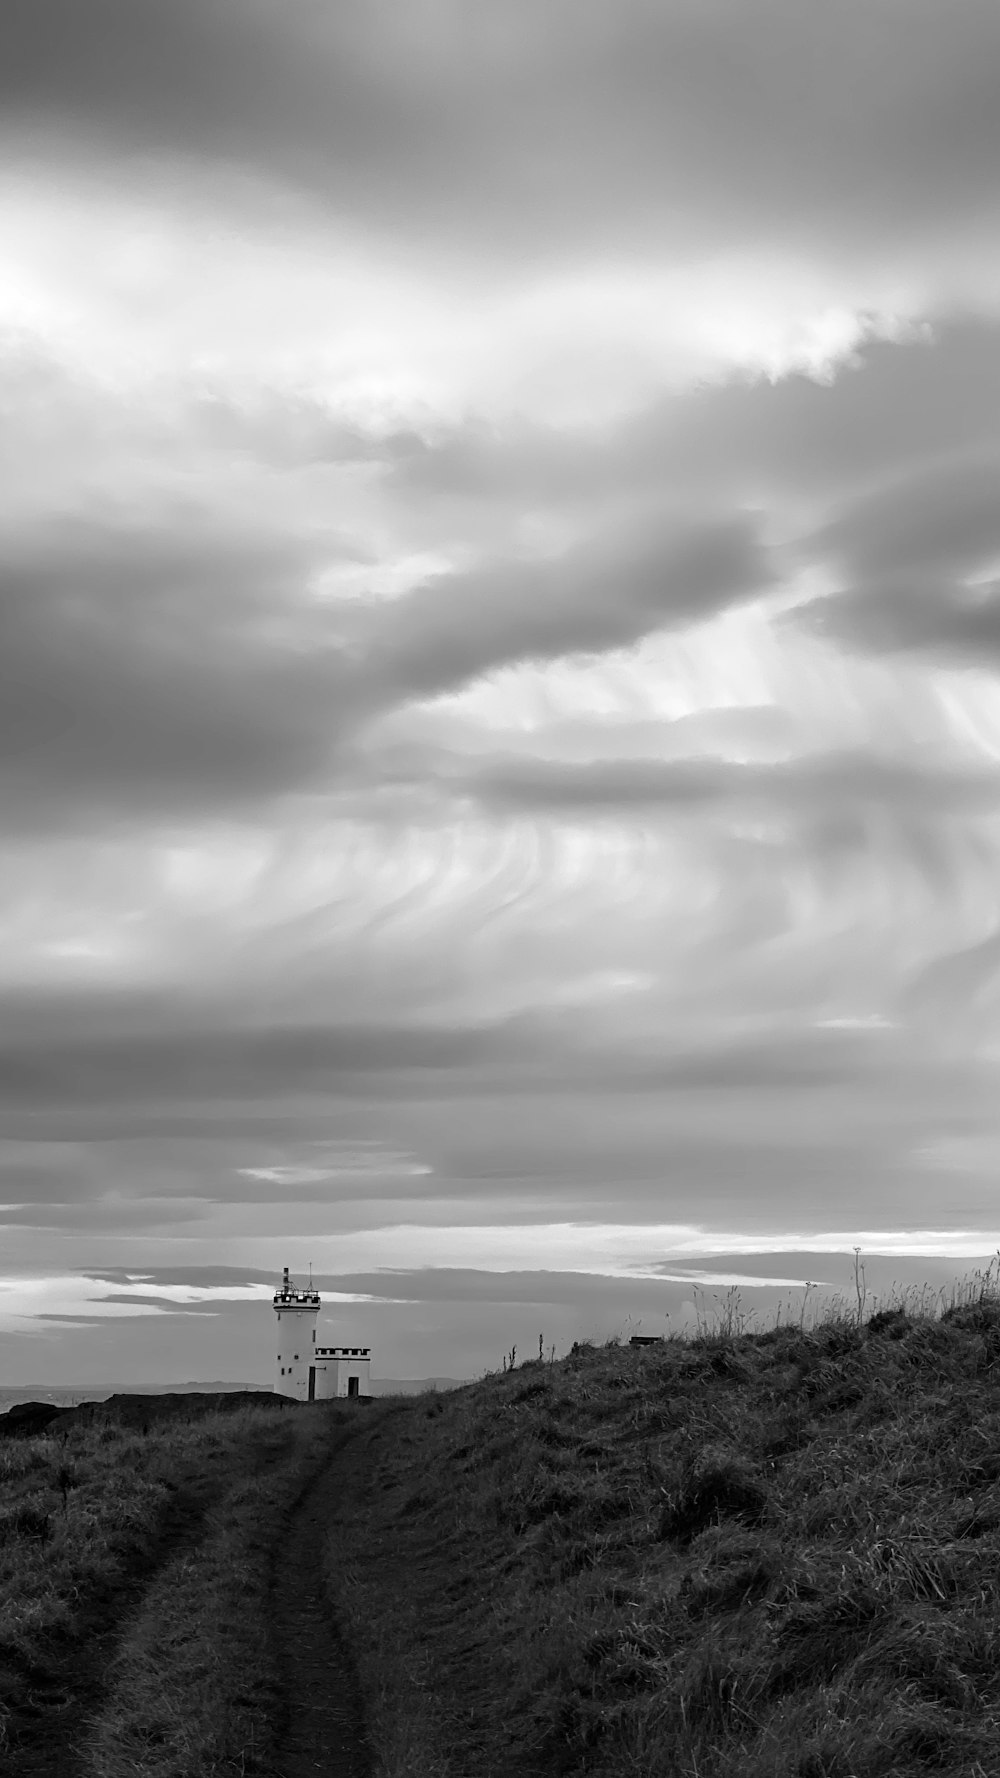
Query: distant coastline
69,1395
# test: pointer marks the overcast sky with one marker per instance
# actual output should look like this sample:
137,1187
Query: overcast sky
499,633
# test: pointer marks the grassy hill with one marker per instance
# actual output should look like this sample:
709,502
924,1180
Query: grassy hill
773,1554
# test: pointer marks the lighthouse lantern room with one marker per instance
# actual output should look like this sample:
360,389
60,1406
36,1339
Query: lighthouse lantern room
305,1371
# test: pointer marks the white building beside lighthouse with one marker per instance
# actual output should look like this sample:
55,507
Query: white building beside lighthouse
304,1370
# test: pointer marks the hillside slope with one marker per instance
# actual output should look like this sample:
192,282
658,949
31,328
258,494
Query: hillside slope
773,1554
140,1543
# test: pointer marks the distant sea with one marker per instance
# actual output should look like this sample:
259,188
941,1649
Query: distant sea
69,1394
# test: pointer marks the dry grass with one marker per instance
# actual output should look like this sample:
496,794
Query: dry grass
739,1555
770,1555
191,1690
83,1512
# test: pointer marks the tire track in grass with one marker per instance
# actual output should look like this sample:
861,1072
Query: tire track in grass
321,1727
54,1701
49,1700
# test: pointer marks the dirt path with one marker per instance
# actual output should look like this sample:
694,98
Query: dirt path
321,1732
322,1725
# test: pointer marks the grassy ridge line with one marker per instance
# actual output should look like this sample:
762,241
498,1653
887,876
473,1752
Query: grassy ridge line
191,1691
773,1555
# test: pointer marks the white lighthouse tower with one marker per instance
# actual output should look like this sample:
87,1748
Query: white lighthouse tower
297,1311
308,1372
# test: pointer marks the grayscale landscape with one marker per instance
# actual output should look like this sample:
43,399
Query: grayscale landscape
499,861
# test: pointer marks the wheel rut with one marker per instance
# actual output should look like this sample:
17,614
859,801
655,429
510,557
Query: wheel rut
48,1703
320,1724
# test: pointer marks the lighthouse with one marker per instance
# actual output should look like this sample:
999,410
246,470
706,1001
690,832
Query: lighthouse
297,1311
303,1370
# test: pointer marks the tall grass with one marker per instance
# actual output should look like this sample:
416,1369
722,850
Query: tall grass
191,1689
733,1554
83,1512
771,1555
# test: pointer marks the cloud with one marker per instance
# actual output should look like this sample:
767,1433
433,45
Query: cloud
183,663
75,1297
292,429
180,667
468,1284
158,666
220,1063
709,123
546,1049
86,1299
903,400
814,788
956,985
942,518
954,626
912,555
329,1169
296,1176
606,592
